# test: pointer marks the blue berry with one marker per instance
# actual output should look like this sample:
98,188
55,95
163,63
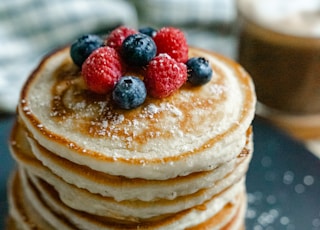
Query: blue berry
129,92
138,49
148,31
83,47
199,71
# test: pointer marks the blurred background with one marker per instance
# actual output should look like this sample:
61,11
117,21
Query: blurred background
31,28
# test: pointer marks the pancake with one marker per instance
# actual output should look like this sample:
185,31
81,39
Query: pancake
25,215
112,186
82,199
193,130
230,216
173,163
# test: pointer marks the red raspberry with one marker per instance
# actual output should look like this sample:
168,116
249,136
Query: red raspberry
102,70
172,41
164,76
117,36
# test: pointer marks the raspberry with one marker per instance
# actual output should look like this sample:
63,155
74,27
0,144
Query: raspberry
102,70
164,76
172,41
117,36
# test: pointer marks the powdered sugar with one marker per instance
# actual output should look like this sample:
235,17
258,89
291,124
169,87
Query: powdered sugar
217,89
153,109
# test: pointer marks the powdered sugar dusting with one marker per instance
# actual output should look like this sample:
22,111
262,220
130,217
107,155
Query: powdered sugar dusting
152,109
217,89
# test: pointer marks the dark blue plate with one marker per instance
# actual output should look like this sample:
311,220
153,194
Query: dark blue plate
283,181
6,165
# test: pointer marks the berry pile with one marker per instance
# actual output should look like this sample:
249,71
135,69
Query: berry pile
161,54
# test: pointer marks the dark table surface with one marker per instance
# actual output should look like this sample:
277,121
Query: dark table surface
283,181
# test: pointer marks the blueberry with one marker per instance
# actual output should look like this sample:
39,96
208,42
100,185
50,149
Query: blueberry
83,47
138,49
199,71
129,92
148,31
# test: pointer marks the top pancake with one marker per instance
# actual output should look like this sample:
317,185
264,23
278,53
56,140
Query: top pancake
193,130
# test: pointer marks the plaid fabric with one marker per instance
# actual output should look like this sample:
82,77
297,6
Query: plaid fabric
186,12
30,28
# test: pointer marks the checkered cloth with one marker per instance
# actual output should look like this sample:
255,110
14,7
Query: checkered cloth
31,28
186,12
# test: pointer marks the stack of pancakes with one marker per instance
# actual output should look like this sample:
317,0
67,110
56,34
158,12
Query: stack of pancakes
172,163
